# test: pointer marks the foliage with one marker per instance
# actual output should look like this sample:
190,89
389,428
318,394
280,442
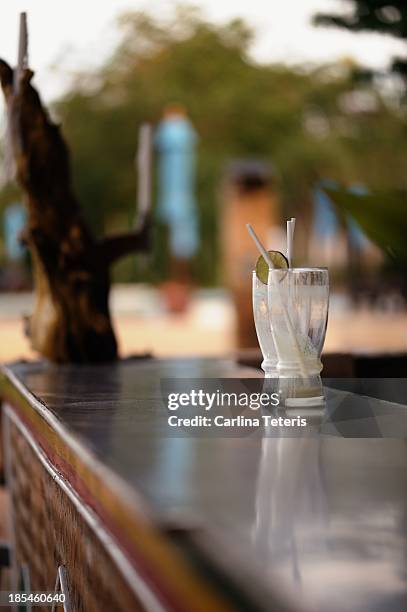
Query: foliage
382,216
381,16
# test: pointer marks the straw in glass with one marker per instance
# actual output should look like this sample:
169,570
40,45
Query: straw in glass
290,241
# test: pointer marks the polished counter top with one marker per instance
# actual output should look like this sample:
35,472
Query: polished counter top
323,516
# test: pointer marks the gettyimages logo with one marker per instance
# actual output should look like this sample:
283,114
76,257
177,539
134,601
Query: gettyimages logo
223,407
221,399
352,408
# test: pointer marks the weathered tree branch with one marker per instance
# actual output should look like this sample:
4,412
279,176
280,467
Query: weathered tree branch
117,246
71,320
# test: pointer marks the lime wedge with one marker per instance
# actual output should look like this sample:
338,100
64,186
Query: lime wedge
262,269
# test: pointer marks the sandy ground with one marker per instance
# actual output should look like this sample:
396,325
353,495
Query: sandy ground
207,328
141,325
186,336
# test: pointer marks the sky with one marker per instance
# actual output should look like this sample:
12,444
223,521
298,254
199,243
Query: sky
67,35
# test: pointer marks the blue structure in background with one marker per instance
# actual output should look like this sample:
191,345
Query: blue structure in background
326,224
175,141
14,222
356,235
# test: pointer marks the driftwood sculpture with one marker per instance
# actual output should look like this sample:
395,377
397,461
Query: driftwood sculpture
71,320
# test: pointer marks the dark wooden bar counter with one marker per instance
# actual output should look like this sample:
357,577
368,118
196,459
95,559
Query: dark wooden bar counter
141,518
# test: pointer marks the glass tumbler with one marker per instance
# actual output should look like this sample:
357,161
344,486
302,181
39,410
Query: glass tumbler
298,301
263,329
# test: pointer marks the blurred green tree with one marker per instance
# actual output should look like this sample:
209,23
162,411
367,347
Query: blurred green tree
309,123
381,214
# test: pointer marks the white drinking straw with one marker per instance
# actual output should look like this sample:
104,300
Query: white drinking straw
266,256
143,164
22,61
9,166
290,241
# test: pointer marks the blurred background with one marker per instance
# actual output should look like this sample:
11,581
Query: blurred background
259,112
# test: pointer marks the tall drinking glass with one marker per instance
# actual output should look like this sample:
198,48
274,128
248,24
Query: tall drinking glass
263,329
298,300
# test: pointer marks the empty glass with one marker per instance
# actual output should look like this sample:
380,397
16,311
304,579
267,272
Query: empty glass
262,323
291,325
